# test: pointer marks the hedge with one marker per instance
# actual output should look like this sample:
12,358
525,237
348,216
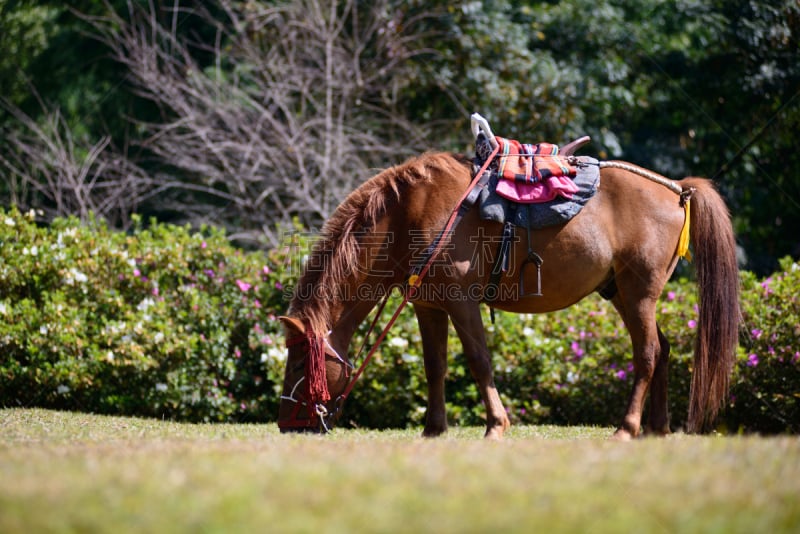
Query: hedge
170,322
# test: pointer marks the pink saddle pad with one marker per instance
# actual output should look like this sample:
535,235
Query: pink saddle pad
542,191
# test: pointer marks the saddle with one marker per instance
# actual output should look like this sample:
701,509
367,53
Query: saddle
533,173
532,187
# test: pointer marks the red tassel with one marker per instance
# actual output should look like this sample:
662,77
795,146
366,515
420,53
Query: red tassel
315,369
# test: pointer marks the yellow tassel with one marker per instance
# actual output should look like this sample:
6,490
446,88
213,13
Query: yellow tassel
683,240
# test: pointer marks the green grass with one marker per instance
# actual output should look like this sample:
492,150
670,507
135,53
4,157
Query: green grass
67,472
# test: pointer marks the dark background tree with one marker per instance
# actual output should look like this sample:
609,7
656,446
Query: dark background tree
255,112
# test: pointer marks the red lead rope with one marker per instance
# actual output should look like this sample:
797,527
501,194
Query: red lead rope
415,280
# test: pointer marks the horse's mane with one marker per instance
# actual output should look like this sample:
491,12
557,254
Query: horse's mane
335,255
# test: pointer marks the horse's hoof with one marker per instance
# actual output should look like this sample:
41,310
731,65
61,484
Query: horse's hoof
621,435
496,432
493,435
433,433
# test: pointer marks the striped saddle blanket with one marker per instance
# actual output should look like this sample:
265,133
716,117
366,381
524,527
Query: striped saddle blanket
533,173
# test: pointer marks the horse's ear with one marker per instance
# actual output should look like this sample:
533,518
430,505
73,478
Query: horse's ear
292,324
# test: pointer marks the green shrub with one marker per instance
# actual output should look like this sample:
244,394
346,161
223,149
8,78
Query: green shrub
170,322
163,322
765,396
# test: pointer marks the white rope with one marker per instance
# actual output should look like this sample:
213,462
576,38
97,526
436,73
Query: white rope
291,395
657,178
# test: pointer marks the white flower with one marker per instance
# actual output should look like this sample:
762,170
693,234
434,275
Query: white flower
276,353
409,358
62,389
3,308
572,377
161,387
73,276
34,250
10,222
110,356
159,337
43,330
145,304
528,331
398,342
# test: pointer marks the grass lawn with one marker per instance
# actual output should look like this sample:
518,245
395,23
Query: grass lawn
68,472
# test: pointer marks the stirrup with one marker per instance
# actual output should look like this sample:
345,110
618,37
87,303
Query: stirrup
535,259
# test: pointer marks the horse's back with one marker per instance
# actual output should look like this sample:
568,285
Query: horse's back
629,228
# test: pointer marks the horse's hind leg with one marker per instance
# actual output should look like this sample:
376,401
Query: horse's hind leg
468,323
659,406
433,329
639,317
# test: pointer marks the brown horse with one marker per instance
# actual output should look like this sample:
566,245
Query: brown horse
623,243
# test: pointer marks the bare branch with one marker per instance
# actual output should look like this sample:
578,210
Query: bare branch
291,111
49,170
284,121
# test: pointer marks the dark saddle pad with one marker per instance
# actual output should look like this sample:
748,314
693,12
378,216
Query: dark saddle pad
493,207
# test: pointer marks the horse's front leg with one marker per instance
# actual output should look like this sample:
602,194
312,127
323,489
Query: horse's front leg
468,323
433,330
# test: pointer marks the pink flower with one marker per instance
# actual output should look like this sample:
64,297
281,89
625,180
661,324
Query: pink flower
576,349
756,333
692,323
765,285
621,374
243,286
265,270
203,244
671,295
752,360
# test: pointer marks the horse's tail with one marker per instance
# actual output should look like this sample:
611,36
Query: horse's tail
719,315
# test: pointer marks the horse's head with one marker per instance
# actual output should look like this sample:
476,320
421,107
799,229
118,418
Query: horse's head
314,381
